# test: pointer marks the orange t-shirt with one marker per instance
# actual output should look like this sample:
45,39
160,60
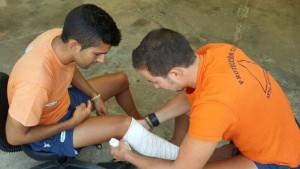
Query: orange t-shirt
235,99
38,84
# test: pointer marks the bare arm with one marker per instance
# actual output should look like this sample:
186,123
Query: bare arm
79,82
177,106
18,134
193,154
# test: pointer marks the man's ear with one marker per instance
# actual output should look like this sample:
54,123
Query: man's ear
175,73
74,45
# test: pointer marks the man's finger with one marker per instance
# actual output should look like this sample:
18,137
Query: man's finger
89,105
81,105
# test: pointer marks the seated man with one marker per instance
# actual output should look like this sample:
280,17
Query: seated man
48,114
223,95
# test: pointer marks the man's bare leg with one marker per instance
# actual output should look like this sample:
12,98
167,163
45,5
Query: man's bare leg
99,129
181,126
117,85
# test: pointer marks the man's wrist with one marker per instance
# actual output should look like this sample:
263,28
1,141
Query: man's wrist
96,99
69,124
152,120
130,156
148,122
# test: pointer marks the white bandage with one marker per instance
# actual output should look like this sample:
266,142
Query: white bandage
149,144
115,143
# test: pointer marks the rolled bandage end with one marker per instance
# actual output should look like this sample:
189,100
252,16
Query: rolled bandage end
114,142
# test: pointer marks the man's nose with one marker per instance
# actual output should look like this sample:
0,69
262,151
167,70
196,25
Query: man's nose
101,58
156,86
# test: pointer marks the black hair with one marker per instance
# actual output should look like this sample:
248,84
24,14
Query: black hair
90,26
161,50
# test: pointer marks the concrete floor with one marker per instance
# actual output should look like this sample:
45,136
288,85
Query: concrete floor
267,30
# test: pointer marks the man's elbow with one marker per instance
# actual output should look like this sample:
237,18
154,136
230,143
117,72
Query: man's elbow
16,133
13,139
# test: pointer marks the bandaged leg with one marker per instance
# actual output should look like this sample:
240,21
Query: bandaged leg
149,144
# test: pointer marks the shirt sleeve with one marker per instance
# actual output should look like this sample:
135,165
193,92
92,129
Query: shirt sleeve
209,121
28,101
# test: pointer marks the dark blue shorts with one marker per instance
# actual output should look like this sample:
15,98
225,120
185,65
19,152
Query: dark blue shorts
273,166
62,143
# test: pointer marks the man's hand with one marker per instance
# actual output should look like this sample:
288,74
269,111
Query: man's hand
120,152
101,109
81,113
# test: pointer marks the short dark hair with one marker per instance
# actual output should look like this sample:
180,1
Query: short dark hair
90,26
161,50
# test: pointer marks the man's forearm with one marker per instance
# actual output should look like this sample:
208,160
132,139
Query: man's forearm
143,162
17,134
79,82
177,106
41,132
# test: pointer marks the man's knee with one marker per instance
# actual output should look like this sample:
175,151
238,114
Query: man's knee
124,124
180,129
223,152
122,78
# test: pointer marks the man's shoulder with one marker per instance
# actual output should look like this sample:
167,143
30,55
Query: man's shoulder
32,69
56,31
213,46
50,34
52,31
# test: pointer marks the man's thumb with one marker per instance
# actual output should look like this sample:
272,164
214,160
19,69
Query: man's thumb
89,105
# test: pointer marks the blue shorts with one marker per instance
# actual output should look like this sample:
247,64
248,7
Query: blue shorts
62,143
273,166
